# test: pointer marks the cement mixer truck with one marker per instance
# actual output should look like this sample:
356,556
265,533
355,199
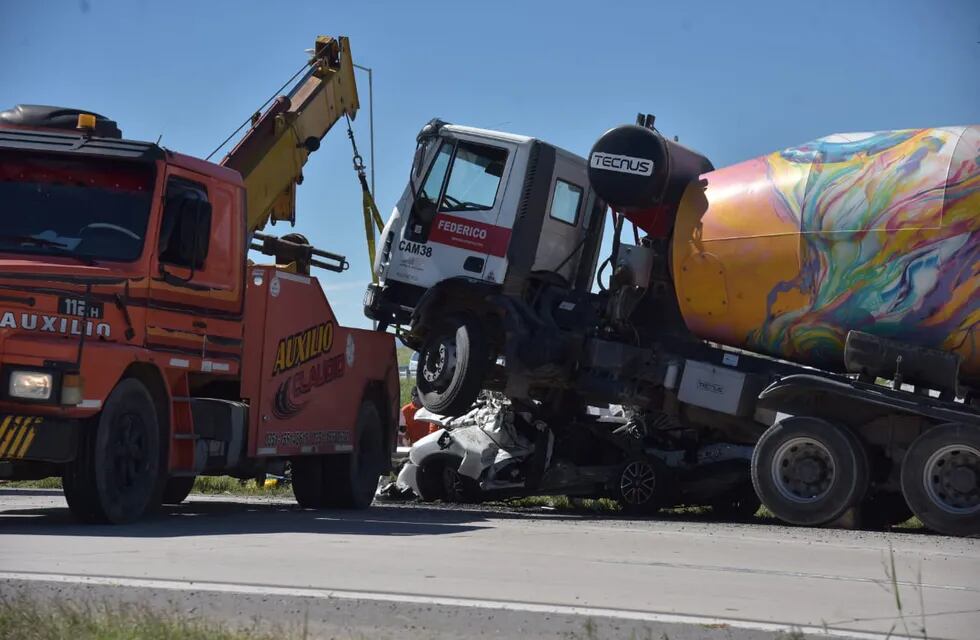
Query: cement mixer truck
799,329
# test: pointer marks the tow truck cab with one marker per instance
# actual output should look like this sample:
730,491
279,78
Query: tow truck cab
485,218
106,246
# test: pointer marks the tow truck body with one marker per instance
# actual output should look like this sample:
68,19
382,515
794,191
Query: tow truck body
140,347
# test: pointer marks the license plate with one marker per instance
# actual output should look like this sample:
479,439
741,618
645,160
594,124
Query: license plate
79,307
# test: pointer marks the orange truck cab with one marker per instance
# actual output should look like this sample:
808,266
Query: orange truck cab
139,347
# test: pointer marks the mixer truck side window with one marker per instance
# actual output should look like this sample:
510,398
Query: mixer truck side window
565,202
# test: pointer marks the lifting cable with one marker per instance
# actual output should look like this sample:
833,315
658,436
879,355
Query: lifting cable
372,219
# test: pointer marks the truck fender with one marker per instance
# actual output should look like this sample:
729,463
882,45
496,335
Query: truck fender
795,394
461,289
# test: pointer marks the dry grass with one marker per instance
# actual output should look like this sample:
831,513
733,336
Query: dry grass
22,619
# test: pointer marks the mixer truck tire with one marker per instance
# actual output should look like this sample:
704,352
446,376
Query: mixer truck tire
453,362
116,476
941,479
808,471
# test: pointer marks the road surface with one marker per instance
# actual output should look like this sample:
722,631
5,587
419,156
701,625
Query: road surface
495,573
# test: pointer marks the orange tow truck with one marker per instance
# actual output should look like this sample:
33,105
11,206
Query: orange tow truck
140,347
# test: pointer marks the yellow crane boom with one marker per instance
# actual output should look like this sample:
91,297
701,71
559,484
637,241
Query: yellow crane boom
272,153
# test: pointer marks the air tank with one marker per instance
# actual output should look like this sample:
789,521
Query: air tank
876,232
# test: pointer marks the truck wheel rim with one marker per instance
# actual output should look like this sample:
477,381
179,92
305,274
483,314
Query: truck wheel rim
803,470
129,451
440,363
638,483
951,477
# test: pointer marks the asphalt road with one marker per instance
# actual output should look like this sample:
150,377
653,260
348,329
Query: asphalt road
495,573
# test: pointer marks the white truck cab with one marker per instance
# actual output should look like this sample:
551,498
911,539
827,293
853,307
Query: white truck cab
485,215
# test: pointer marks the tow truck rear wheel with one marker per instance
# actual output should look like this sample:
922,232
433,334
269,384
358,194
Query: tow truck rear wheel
453,362
348,480
941,479
116,475
809,471
352,479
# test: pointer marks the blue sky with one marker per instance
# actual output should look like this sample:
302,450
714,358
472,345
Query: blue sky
731,79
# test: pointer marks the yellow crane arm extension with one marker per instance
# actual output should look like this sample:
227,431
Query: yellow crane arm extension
272,153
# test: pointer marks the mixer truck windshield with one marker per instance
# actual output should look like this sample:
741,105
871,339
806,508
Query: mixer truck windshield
87,208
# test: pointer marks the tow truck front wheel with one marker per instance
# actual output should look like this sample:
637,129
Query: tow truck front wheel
115,477
453,362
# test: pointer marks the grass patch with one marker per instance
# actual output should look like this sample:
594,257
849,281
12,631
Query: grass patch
404,354
565,504
43,483
226,485
23,619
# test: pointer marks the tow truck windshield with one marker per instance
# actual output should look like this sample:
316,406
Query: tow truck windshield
88,208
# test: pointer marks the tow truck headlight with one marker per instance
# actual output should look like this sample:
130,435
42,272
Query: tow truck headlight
30,385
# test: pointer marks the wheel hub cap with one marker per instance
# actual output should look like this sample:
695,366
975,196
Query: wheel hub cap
803,470
440,363
637,483
951,477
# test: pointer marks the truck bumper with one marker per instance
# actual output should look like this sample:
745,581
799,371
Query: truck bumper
380,305
39,438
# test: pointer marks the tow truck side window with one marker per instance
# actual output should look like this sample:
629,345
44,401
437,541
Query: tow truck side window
185,231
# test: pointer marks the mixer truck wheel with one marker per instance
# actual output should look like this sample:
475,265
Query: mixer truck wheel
808,471
453,362
941,479
116,476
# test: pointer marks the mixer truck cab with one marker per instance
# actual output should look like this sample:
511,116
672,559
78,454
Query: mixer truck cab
487,220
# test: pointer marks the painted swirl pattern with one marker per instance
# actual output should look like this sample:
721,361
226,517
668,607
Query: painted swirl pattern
889,243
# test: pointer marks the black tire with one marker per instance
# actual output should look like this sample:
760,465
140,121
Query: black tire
351,480
433,478
808,471
116,476
941,479
738,505
307,476
453,363
882,511
177,489
641,486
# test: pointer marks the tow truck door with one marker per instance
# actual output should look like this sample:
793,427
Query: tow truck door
194,310
452,227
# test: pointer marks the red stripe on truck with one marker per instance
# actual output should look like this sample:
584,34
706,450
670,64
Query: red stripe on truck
473,236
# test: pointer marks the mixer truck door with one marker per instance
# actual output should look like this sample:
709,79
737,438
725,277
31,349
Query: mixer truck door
566,221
